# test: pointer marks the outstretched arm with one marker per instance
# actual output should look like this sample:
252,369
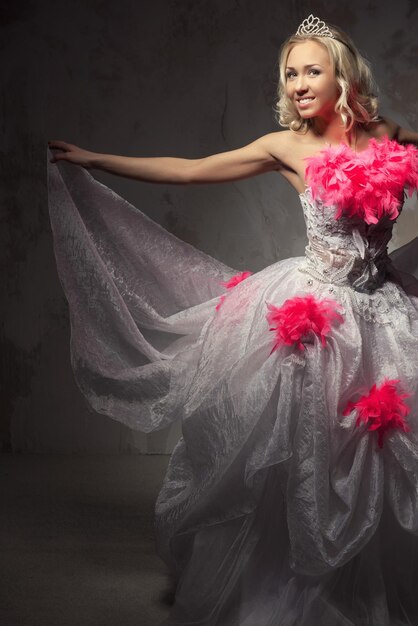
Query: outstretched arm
263,155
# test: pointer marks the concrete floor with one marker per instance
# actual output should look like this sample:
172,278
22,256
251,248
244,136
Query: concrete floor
77,542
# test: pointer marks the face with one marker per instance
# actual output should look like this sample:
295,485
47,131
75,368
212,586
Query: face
310,80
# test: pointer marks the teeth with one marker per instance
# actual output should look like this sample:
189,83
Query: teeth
305,100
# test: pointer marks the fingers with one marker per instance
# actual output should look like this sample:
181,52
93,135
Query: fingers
61,145
55,158
59,156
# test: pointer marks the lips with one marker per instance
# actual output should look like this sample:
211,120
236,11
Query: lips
305,102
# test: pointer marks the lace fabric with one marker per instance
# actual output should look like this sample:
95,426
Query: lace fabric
351,258
345,251
276,507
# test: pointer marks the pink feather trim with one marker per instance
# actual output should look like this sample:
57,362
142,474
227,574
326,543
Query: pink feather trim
235,280
382,409
298,318
367,184
232,282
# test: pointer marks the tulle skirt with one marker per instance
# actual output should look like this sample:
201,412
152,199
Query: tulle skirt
278,507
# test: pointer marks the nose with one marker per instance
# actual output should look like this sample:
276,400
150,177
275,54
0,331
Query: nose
300,83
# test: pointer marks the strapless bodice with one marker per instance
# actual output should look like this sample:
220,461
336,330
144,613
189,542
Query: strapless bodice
350,207
345,251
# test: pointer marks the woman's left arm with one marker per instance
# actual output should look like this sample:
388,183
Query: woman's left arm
401,135
408,136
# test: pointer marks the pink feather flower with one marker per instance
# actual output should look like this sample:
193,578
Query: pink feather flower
368,184
382,409
232,282
235,280
298,318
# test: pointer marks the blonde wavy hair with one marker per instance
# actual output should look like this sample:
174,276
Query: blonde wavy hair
357,102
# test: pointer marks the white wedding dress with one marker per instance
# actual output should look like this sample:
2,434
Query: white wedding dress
280,506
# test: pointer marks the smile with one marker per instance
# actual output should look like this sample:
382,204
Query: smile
304,101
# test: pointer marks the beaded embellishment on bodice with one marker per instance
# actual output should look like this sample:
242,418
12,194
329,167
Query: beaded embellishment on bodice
345,251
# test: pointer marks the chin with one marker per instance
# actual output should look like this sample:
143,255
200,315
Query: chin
307,116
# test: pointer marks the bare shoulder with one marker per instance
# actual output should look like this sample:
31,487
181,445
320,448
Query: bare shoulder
288,147
278,143
384,127
289,150
387,127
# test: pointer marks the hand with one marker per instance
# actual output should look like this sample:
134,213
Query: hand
73,154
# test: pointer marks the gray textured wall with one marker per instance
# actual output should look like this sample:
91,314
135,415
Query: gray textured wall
168,77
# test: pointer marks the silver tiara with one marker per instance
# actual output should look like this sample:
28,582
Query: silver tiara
314,26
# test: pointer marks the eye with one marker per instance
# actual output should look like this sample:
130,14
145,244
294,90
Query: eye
313,71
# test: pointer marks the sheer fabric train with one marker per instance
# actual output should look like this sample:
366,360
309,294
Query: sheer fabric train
276,507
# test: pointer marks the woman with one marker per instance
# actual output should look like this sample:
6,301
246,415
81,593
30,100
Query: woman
291,497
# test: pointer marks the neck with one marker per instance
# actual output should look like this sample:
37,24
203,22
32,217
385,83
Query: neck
331,131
